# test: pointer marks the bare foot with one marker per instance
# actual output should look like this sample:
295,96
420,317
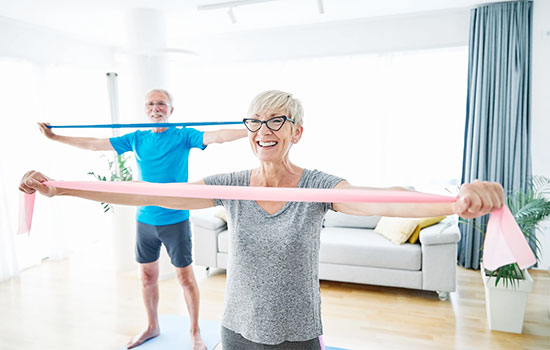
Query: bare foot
198,344
142,337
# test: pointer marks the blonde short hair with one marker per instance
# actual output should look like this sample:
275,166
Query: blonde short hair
275,100
162,91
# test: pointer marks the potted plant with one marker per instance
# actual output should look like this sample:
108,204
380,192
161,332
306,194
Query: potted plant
507,288
119,171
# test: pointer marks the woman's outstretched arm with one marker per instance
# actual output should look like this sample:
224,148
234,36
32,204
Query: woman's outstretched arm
474,199
33,181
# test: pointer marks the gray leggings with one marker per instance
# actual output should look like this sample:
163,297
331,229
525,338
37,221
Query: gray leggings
235,341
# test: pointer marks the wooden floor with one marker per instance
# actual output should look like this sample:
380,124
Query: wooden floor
76,304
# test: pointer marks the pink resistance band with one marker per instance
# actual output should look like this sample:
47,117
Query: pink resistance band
504,243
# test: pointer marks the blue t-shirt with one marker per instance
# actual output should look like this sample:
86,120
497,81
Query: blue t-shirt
161,158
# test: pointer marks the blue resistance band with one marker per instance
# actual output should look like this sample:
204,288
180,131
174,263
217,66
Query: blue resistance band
142,125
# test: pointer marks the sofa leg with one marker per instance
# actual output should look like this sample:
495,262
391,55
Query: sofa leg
443,296
208,271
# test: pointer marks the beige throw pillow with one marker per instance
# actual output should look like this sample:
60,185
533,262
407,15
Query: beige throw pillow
397,230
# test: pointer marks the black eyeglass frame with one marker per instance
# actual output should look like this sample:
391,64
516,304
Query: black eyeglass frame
261,122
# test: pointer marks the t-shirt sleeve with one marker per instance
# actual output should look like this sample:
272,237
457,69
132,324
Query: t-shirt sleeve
228,179
319,179
195,138
123,144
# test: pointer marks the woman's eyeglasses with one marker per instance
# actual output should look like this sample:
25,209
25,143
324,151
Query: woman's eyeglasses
274,124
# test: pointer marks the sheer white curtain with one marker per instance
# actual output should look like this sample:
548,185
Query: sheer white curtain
377,119
60,95
8,260
17,91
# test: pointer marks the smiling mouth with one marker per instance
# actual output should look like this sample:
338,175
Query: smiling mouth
266,144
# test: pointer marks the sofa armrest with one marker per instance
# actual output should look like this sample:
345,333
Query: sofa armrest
207,221
439,246
205,228
444,232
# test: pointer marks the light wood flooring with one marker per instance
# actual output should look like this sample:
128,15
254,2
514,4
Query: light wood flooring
76,304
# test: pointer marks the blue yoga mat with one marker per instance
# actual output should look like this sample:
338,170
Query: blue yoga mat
139,125
174,334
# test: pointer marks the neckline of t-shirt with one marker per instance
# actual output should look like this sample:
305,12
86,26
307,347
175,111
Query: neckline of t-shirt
286,205
165,132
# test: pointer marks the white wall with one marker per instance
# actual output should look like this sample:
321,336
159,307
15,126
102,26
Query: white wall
47,46
540,107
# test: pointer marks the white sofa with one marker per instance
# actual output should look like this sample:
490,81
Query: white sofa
352,252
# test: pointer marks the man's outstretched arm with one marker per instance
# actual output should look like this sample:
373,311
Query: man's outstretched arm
223,135
89,143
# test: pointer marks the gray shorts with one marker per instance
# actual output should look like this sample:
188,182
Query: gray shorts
175,237
234,341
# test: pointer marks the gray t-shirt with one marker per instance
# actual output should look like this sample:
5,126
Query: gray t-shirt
272,293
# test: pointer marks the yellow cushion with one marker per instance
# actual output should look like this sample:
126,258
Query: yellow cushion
425,222
397,230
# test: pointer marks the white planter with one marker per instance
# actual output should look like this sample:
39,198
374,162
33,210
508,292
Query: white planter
505,306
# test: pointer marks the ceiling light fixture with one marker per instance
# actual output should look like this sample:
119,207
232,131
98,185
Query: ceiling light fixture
230,4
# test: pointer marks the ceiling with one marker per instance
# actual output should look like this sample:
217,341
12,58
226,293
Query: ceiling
104,21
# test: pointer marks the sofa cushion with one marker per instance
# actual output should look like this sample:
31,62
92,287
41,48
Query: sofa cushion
364,247
359,247
397,230
220,213
337,219
209,222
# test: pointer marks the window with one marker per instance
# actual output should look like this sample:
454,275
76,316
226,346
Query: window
63,95
384,119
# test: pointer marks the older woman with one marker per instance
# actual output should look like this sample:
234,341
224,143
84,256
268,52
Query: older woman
272,295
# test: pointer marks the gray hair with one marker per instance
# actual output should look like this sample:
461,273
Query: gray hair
275,100
162,91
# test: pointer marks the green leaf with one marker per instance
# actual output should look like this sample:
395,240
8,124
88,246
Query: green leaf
118,171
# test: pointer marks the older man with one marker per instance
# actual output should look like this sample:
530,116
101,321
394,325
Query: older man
162,156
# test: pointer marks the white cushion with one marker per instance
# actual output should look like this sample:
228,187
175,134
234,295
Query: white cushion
337,219
364,247
397,230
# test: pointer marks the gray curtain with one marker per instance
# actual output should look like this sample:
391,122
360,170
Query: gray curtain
497,132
